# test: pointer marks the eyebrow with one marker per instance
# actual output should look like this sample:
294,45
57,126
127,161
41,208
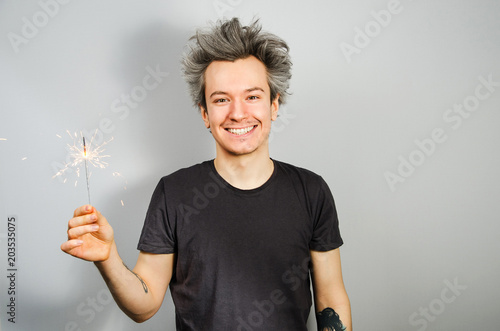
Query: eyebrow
254,89
247,90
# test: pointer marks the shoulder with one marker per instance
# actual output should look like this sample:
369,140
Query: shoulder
306,183
188,174
184,179
299,174
310,188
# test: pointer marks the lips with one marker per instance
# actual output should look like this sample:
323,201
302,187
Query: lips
241,131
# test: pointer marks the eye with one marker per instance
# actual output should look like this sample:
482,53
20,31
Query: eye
253,97
220,100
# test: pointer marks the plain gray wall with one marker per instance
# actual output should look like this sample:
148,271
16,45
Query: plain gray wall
391,104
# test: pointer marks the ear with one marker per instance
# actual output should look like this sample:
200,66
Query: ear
275,106
204,116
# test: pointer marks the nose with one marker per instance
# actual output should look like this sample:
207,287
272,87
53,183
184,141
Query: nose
237,111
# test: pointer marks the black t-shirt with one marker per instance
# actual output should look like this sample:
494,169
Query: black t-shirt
242,256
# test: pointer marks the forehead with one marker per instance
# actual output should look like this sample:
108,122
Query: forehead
238,75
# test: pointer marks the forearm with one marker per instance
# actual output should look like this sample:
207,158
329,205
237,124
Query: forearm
338,320
333,308
129,290
334,318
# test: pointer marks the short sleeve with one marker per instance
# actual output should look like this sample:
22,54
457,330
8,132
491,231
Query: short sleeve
157,234
326,233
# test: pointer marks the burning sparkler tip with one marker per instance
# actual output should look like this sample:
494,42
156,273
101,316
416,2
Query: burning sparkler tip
84,148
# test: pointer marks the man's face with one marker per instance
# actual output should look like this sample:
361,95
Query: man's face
239,109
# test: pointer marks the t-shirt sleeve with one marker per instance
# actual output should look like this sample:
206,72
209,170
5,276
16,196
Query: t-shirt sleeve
157,234
326,233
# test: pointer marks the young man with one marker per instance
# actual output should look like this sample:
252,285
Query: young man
235,237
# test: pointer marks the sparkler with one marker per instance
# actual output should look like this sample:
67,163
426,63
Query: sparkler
82,155
86,168
89,154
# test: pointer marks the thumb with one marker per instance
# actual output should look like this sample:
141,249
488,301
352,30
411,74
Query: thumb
101,220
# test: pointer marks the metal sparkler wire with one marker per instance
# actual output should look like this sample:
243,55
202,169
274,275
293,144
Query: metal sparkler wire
86,168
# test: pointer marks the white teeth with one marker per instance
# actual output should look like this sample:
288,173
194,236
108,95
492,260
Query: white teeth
240,131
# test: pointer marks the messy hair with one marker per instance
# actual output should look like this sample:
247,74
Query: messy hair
228,40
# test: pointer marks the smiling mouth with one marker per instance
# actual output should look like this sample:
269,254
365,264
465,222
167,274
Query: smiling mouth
240,132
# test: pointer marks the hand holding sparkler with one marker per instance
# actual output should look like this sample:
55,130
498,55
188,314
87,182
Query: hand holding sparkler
90,237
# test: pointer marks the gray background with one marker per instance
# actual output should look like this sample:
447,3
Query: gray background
351,118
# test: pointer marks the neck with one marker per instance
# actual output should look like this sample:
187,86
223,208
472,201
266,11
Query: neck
245,172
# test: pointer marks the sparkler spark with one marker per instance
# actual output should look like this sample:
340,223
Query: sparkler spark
88,154
83,155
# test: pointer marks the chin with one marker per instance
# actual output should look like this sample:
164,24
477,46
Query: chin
241,152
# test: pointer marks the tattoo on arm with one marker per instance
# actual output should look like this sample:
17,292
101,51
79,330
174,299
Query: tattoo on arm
328,320
144,286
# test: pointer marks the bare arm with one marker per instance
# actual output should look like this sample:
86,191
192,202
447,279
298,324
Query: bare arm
333,309
138,292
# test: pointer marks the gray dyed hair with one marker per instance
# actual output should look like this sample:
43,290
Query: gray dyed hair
228,40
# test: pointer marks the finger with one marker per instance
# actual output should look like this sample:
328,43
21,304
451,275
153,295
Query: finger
82,220
83,210
79,231
101,220
71,244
